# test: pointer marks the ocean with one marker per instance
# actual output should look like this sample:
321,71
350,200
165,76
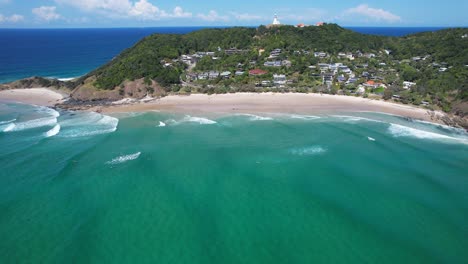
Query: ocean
69,53
161,187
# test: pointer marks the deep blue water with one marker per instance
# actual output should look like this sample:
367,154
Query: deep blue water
66,53
393,31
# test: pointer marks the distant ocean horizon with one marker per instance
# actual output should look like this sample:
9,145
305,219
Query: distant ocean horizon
70,53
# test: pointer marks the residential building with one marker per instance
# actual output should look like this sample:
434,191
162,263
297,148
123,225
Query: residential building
226,75
408,85
257,72
213,75
279,79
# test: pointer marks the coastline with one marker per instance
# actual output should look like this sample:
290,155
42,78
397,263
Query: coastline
288,103
35,96
238,103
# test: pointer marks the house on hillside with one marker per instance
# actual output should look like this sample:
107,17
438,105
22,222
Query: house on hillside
257,72
279,79
408,85
226,75
213,75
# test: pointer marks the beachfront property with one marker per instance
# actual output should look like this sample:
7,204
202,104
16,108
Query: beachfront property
279,79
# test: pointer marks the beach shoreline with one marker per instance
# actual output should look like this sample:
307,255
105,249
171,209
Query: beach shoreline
272,103
35,96
238,103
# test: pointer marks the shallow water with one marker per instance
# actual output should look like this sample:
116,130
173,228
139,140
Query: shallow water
263,188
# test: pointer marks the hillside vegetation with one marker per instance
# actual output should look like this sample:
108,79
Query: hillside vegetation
435,61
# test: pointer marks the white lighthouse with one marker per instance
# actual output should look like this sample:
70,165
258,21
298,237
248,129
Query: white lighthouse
276,22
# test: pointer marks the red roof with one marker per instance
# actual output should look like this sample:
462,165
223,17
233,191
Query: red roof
257,72
371,82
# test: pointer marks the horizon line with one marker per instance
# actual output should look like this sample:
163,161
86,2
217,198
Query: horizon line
221,26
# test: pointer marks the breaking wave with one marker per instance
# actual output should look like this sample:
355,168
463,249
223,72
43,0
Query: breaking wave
404,131
125,158
200,120
7,122
48,118
88,124
161,124
308,151
355,118
192,119
257,117
304,117
35,123
47,111
9,127
54,131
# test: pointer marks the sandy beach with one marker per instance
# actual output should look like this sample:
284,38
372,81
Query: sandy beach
36,96
290,103
271,103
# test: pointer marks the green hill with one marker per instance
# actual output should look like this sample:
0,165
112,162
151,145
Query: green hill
435,64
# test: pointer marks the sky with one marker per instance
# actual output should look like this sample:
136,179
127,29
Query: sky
158,13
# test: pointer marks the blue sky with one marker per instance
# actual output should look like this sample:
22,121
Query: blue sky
149,13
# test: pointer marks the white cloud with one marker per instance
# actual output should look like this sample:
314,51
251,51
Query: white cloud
179,12
46,13
212,16
145,11
15,18
372,13
141,9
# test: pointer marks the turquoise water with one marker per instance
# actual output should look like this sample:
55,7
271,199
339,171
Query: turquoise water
267,188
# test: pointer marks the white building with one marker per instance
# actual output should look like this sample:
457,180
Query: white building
408,85
276,22
279,79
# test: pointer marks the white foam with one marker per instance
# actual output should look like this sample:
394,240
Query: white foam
162,124
449,128
403,131
35,123
7,122
191,119
371,139
304,117
257,117
88,124
355,118
308,151
54,131
125,158
199,120
9,127
47,111
67,79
